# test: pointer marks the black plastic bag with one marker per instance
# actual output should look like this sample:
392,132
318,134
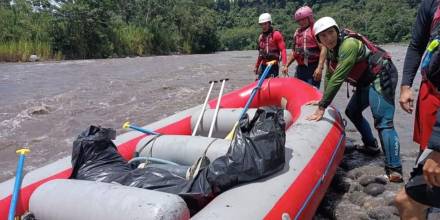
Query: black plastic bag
257,151
95,157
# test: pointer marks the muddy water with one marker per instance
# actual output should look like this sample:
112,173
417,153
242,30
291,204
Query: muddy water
44,106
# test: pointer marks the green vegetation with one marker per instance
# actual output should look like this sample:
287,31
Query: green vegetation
80,29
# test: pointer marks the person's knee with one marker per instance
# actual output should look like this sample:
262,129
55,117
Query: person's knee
401,199
407,206
381,124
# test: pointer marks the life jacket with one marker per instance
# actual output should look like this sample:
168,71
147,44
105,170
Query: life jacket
306,49
267,46
431,61
366,68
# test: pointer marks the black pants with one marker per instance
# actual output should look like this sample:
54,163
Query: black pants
416,187
273,72
305,73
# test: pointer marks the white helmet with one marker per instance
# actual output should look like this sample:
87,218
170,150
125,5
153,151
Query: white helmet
323,24
265,17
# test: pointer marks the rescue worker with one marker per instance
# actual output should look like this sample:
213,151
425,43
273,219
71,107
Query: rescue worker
271,46
308,53
354,59
423,188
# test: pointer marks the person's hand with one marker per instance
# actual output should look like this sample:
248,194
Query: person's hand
431,169
313,102
285,70
317,75
406,99
317,115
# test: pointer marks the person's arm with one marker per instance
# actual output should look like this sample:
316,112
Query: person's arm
414,53
431,168
322,56
327,76
257,64
317,75
347,57
291,58
278,37
419,41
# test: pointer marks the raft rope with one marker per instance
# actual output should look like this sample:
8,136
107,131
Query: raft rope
153,159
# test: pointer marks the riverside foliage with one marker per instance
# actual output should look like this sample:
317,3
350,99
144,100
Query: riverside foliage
83,29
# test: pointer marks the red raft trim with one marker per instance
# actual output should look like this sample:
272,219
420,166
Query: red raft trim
303,206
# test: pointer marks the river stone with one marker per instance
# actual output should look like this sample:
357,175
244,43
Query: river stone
345,210
354,174
381,179
340,184
34,58
386,212
374,189
388,197
39,110
357,198
366,180
355,187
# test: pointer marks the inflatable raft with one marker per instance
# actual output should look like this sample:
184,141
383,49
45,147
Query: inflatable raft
313,151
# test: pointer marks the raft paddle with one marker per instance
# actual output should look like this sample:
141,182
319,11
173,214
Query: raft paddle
18,178
127,125
231,134
217,107
199,119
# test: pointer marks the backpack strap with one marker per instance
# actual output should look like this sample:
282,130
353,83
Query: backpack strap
370,45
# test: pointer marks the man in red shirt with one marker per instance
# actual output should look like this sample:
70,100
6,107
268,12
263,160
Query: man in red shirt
271,46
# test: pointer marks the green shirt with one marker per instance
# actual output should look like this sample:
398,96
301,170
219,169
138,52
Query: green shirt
349,53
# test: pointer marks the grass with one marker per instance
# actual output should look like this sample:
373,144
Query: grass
20,51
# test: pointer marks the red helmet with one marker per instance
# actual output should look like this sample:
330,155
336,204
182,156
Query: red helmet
303,12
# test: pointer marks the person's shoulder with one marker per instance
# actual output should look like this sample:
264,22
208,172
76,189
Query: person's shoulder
277,34
350,42
349,47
